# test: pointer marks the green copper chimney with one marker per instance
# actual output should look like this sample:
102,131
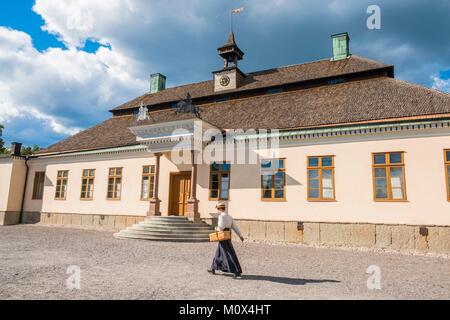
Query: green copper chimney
341,46
157,82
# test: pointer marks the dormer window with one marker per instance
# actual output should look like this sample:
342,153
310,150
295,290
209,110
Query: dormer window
336,81
222,99
275,90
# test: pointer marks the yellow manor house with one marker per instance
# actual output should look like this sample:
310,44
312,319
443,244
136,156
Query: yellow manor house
361,159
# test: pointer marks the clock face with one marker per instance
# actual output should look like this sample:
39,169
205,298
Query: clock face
224,81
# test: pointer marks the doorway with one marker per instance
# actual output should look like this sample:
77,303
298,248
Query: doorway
179,193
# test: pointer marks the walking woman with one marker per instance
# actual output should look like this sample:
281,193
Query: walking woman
226,259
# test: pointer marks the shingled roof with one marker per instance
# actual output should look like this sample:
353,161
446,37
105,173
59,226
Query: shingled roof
108,134
379,99
262,79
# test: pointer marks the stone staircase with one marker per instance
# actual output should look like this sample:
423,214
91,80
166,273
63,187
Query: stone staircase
174,229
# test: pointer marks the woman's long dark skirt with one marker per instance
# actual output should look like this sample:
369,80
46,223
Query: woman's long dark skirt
226,259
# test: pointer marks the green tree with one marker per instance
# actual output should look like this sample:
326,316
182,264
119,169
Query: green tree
28,151
2,143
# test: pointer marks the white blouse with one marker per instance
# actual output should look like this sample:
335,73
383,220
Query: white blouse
226,222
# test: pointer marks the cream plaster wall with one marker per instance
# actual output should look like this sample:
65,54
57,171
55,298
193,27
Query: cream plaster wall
16,186
5,181
12,180
130,203
425,182
30,204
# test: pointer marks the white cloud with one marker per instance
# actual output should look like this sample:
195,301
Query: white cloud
60,88
441,84
74,21
66,90
113,21
52,122
299,8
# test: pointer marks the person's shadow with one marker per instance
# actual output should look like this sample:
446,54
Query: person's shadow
284,280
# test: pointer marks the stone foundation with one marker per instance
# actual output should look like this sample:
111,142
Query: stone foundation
405,238
267,230
89,221
9,218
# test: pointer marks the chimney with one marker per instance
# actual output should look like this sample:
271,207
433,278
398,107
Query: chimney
16,148
341,46
157,83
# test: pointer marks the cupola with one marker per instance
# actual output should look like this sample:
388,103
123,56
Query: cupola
230,76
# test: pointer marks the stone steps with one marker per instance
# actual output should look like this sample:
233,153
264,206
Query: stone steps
165,224
126,234
169,231
173,229
169,219
172,226
163,235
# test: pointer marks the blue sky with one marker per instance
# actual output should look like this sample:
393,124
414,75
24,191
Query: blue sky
19,15
65,63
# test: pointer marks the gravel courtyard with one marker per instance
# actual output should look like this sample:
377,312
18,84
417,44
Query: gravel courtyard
34,262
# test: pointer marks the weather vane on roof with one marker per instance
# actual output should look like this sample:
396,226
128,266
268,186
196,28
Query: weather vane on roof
233,12
143,113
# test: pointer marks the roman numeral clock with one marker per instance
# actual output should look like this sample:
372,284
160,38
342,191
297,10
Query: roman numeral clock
225,81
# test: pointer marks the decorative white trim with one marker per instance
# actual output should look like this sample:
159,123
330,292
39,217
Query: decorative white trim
163,137
306,134
110,151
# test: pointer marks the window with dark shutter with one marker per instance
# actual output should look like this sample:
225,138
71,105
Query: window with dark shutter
38,185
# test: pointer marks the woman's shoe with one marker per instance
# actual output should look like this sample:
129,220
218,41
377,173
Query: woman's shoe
212,271
237,276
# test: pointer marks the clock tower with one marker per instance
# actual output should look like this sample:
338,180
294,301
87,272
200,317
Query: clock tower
230,76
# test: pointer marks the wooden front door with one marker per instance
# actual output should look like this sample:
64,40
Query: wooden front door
180,190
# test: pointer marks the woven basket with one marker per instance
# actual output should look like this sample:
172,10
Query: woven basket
220,236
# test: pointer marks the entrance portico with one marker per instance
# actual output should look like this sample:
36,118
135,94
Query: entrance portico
180,142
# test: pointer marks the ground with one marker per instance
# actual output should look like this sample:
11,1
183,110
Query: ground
34,262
